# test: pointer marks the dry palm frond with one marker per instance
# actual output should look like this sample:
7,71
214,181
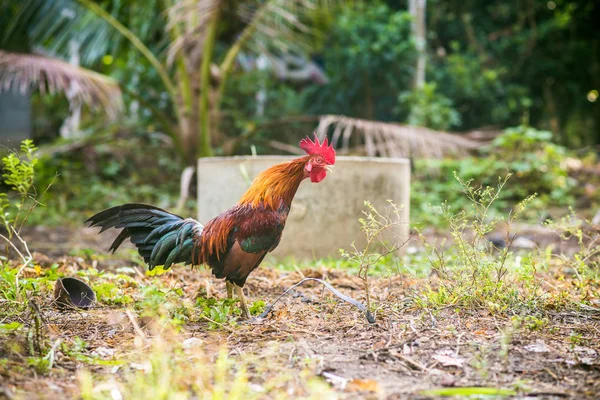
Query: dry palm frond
50,75
275,24
278,23
393,140
187,22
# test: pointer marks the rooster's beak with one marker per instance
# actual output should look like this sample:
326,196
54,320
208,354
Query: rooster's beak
329,168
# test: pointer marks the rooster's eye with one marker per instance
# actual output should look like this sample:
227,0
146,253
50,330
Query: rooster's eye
319,160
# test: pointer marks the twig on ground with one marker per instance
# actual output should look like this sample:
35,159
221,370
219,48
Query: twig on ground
340,295
26,260
135,325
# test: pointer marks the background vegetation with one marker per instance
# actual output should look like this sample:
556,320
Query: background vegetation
489,67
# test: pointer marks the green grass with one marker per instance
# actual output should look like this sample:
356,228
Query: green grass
469,392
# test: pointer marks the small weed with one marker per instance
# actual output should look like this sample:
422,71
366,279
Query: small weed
381,241
40,364
18,173
475,273
111,293
257,307
530,322
480,362
10,327
585,263
217,311
576,339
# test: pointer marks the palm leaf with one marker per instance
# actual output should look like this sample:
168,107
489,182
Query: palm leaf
187,22
269,24
23,71
392,140
54,24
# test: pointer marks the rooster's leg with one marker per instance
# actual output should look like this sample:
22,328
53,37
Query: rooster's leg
240,293
229,286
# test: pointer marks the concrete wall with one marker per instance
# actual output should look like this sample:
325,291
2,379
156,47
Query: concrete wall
324,216
15,119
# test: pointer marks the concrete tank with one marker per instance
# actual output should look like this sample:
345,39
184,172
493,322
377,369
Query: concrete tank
324,216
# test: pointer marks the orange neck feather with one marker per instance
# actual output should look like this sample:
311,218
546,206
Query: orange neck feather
276,185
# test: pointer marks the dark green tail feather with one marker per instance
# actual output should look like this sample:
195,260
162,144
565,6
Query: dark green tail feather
161,238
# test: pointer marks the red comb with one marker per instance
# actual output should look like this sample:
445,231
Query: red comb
323,149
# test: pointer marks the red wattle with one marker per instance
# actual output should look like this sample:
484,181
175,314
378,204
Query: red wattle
317,175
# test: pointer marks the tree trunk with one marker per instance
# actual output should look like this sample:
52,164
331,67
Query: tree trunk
417,10
204,144
70,127
189,137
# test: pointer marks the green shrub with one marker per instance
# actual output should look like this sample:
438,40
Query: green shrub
537,165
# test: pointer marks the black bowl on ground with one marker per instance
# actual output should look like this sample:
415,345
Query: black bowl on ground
72,292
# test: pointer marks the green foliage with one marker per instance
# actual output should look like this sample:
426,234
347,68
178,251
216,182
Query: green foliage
585,262
257,307
14,288
427,107
217,311
110,288
41,365
530,322
369,59
114,168
110,293
10,291
18,174
283,106
538,166
477,274
503,64
478,90
10,327
168,305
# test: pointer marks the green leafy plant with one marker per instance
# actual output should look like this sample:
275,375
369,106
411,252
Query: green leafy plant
217,311
18,173
427,107
537,165
366,41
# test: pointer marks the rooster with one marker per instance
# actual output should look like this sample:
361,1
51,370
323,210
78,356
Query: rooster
232,244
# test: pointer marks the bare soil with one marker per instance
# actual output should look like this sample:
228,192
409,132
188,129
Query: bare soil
407,350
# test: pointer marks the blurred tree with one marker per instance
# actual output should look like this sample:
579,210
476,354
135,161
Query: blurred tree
427,107
503,63
494,63
190,45
369,58
417,9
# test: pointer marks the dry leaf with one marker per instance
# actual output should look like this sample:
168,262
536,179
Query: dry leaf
448,359
363,385
192,342
538,347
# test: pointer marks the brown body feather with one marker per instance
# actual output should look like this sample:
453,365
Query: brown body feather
234,243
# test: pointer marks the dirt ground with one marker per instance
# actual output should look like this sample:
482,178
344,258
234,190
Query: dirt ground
406,351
